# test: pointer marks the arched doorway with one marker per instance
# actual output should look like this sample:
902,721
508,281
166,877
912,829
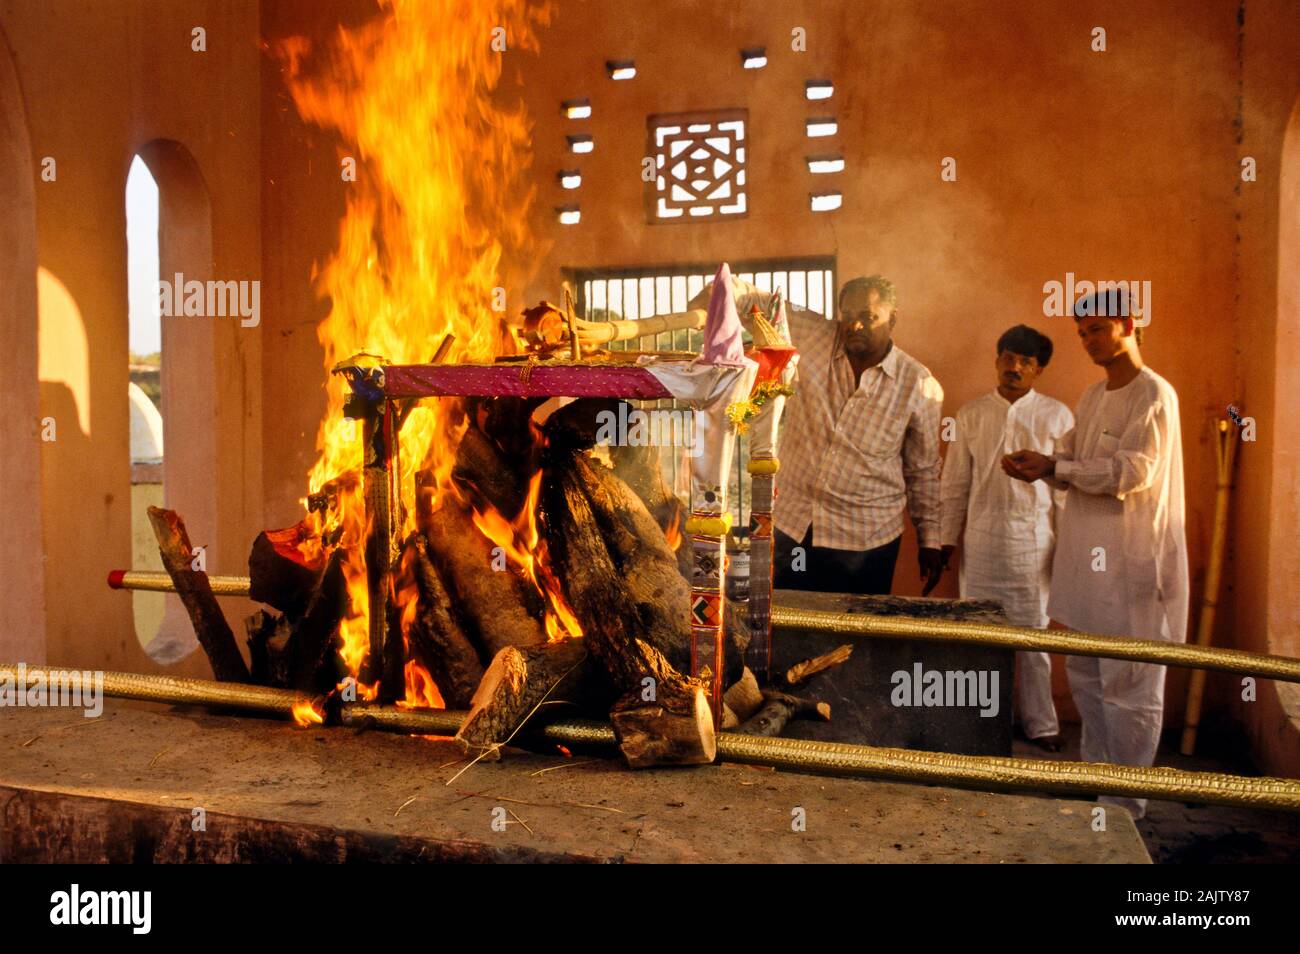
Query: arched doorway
187,380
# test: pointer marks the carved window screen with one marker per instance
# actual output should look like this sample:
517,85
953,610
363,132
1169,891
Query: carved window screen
699,166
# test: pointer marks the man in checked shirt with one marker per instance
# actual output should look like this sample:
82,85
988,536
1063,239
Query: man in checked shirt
859,441
859,444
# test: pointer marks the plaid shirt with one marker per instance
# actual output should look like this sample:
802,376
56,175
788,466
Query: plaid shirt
852,455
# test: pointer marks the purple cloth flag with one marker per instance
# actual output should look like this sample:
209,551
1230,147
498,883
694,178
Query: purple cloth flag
723,342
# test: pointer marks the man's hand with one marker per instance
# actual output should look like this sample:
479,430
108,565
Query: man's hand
1028,465
948,551
931,560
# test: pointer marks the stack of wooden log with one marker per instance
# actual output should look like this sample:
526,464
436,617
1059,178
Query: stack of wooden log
478,627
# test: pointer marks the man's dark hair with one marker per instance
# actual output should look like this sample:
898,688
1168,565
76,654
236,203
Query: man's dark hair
1108,302
883,286
1026,341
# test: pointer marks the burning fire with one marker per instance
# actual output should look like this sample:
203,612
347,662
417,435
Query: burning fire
305,713
523,545
441,198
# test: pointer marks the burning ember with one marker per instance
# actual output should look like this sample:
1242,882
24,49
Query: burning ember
441,197
305,713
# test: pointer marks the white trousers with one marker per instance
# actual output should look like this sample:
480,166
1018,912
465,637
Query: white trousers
1034,695
1018,579
1122,706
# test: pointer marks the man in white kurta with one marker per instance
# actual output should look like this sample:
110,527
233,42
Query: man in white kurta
1006,527
1121,553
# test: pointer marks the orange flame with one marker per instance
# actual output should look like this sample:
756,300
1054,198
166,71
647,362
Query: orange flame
305,713
523,546
674,532
440,200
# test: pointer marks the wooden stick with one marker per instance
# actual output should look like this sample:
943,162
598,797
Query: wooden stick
575,349
1225,450
210,625
744,697
810,667
779,708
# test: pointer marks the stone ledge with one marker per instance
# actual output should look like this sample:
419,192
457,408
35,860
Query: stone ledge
124,787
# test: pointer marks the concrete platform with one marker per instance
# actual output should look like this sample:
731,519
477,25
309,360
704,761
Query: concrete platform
125,787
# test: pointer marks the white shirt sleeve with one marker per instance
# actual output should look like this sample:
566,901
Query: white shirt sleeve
954,497
1058,489
921,463
1131,466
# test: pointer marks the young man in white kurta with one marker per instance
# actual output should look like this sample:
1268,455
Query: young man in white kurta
1121,552
1009,525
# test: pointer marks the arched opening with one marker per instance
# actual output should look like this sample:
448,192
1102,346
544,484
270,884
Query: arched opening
144,390
22,577
168,200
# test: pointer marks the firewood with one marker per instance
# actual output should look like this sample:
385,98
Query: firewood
497,607
436,637
521,684
481,465
778,709
729,718
280,571
632,604
667,720
505,422
576,425
314,631
210,625
639,467
810,667
744,697
638,567
269,638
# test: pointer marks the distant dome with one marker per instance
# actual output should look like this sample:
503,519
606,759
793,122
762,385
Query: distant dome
146,428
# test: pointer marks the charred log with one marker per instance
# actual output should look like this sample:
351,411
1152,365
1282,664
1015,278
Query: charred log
436,638
192,586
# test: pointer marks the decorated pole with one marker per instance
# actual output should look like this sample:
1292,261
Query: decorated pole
723,376
385,662
776,360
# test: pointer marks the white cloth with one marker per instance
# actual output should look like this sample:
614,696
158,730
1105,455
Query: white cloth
1009,525
1121,559
709,389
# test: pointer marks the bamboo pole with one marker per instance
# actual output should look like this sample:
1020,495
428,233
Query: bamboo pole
1064,641
1226,443
819,758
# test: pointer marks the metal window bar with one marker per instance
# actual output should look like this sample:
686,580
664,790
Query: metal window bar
605,294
